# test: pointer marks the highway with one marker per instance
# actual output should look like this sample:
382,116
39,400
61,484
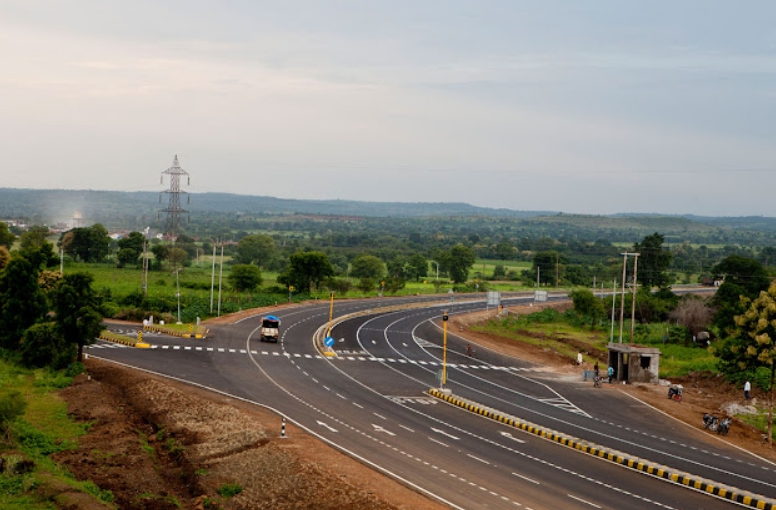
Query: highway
372,402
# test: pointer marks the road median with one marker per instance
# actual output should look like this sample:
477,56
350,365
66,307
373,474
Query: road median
706,486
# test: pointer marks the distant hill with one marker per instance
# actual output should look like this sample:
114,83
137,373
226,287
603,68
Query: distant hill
53,206
135,210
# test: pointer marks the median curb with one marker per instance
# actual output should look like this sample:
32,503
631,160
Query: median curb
320,333
172,332
660,471
121,339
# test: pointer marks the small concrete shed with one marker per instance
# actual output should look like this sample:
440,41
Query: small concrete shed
634,363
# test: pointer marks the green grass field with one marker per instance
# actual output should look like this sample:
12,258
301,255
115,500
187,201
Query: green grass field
540,330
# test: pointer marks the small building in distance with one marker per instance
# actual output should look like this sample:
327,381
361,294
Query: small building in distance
634,363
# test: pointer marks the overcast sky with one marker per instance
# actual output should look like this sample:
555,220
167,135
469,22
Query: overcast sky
578,106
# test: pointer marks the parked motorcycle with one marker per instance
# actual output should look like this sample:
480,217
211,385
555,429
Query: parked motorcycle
711,422
724,426
675,392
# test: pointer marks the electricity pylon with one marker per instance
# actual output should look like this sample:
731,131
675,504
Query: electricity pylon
174,210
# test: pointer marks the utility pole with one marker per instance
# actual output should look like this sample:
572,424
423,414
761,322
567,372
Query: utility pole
614,300
220,279
212,279
144,283
633,303
174,209
633,289
557,281
622,297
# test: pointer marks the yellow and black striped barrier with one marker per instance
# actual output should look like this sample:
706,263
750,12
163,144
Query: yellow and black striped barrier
710,487
167,331
124,340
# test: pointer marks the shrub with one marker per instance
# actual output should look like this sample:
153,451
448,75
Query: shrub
12,407
229,490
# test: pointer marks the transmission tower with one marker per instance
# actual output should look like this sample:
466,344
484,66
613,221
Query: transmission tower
174,210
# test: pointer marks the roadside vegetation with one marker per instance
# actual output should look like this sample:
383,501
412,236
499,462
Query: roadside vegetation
35,426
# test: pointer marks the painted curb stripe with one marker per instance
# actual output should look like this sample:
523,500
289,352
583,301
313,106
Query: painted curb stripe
635,463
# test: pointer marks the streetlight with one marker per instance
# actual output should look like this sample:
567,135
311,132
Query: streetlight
437,271
178,294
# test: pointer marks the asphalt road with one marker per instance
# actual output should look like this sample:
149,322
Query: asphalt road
371,402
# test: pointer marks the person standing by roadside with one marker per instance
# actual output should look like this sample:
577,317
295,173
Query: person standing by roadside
595,369
610,373
747,389
579,358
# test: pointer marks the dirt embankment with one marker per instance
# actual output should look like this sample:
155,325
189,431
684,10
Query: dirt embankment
158,444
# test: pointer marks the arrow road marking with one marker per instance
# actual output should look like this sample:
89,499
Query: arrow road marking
445,434
378,428
326,426
510,436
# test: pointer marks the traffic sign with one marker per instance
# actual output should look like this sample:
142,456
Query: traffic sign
329,342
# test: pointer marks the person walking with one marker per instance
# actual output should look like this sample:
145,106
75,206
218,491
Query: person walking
579,358
747,389
595,369
610,373
469,350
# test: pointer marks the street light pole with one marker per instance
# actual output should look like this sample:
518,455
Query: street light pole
444,350
178,293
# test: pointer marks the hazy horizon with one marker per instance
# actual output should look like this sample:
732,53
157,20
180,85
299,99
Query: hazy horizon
594,108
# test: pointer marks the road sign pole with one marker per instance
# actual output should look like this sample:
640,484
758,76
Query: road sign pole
444,348
331,314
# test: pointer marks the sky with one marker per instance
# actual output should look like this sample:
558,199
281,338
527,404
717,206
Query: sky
592,107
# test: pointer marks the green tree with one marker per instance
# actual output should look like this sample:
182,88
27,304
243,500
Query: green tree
417,267
127,256
394,284
6,236
306,269
339,285
499,272
75,303
255,249
504,251
754,344
367,266
177,256
742,277
87,244
245,277
653,261
547,263
34,246
130,249
587,305
5,257
459,261
43,346
22,302
34,238
397,268
366,284
161,253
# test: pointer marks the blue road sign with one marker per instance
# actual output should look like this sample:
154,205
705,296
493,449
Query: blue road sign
328,342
